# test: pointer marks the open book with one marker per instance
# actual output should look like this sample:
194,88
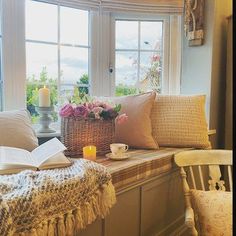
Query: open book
47,156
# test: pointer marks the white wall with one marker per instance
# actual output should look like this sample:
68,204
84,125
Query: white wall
203,67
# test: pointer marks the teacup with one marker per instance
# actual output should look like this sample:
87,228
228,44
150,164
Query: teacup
118,149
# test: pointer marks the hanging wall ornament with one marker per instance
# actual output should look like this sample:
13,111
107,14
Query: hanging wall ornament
193,21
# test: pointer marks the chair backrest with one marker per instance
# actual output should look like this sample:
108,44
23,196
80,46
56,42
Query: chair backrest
211,158
196,162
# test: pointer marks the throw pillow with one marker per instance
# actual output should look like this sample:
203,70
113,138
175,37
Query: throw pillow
137,130
16,130
213,212
179,121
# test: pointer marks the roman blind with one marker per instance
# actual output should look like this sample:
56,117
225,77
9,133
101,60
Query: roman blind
155,6
84,4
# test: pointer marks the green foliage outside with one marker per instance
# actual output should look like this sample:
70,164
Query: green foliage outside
33,85
122,90
80,92
84,79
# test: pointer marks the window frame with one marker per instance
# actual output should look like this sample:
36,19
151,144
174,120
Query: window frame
168,43
1,78
165,48
59,44
101,55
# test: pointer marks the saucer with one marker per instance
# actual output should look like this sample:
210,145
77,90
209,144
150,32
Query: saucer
117,158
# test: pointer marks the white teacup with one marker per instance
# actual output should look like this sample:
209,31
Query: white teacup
118,149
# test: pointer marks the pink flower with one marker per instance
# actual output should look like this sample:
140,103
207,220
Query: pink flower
108,106
81,111
97,111
101,104
90,106
66,111
121,118
156,58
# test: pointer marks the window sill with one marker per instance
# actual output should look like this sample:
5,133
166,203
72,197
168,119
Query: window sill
54,126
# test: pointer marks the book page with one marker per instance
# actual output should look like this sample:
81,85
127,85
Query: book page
6,169
58,160
15,156
47,150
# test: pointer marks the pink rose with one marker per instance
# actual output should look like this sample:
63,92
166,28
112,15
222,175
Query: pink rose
102,104
81,111
156,58
90,106
108,106
121,118
97,111
66,111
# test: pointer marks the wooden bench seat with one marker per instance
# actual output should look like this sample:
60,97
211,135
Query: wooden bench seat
149,196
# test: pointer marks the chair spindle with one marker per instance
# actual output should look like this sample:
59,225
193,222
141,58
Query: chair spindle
201,178
230,178
192,177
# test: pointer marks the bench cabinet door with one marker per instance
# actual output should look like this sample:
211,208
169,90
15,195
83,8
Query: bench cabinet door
124,217
162,205
94,229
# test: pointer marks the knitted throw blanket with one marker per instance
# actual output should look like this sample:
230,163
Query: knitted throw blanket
54,202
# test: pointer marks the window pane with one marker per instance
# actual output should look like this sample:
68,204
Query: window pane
39,56
74,26
41,61
74,69
126,34
150,71
151,35
126,73
41,21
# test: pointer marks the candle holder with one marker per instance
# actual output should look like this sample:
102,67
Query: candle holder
45,119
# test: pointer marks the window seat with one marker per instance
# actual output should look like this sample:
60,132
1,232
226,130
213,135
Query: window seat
141,165
149,196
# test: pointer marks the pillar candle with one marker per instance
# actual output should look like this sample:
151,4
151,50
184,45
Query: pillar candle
89,152
44,97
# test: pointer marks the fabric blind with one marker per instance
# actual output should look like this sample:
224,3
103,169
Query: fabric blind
84,4
156,6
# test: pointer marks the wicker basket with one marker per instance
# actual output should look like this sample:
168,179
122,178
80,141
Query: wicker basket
77,133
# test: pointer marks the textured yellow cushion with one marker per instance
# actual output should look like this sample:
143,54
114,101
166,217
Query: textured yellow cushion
179,121
213,212
16,130
137,131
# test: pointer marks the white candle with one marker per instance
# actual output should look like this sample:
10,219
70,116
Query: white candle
44,97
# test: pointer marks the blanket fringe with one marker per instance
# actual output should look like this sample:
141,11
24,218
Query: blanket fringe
73,221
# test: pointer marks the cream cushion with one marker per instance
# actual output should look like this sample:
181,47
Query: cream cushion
180,121
137,131
213,212
16,130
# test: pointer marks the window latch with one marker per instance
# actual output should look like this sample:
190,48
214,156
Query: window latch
111,69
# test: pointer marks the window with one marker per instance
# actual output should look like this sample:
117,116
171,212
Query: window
138,56
1,80
57,52
90,45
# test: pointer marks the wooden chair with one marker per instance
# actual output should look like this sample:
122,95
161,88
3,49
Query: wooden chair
193,162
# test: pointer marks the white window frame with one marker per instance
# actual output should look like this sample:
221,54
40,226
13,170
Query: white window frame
58,43
1,80
101,55
171,61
